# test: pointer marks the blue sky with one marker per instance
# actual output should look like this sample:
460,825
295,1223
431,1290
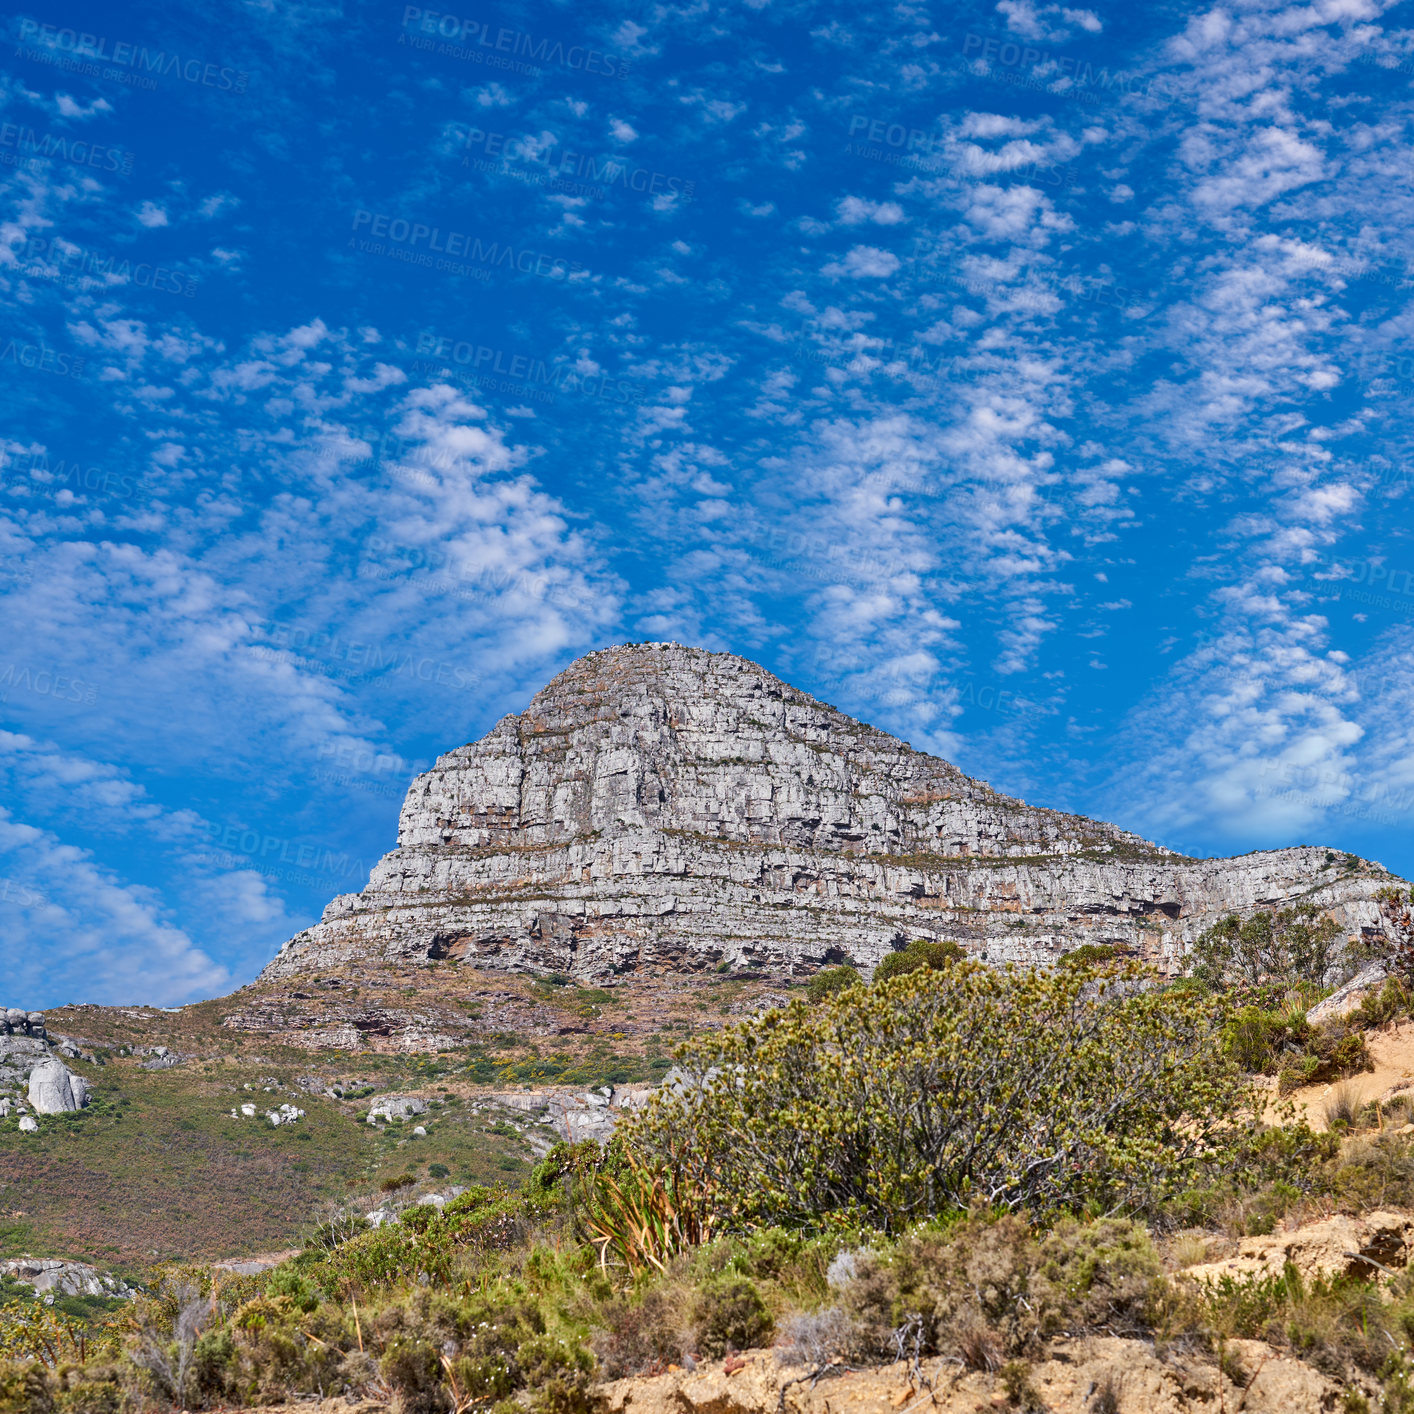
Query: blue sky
1032,382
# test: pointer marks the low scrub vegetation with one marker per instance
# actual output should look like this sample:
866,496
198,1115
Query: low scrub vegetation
952,1162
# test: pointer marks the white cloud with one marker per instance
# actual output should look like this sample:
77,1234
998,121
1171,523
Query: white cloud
864,262
855,210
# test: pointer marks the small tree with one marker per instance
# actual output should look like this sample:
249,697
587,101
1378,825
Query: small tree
1397,915
1290,947
919,954
830,980
1028,1089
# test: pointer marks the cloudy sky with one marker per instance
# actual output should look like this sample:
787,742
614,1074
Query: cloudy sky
1032,382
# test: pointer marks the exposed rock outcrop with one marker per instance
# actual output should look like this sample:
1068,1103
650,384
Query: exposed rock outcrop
52,1275
661,807
392,1107
1077,1377
1345,999
55,1089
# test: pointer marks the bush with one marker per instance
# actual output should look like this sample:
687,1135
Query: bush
919,954
1027,1090
731,1315
1296,945
829,981
1285,1044
640,1336
989,1290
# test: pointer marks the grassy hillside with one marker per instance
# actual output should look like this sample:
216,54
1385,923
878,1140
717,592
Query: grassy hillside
156,1168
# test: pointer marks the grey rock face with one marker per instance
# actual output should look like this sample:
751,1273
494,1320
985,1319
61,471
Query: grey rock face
664,808
55,1089
392,1107
49,1274
15,1022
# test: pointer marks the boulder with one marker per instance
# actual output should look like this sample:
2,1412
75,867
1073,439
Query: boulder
55,1089
28,1124
393,1107
1345,999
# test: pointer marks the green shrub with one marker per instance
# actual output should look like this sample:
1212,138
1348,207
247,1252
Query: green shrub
1379,1008
925,1093
919,954
989,1289
1090,955
1254,1037
829,981
731,1315
1296,945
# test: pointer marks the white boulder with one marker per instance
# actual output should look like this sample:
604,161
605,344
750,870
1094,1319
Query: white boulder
54,1089
28,1124
392,1107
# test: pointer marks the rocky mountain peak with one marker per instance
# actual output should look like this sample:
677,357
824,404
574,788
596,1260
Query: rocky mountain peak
660,806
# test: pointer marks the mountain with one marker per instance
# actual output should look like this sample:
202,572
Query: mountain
658,808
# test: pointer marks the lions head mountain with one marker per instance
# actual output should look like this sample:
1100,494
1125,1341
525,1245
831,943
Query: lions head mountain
659,808
664,840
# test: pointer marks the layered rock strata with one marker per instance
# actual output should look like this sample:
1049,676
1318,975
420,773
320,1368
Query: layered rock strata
664,808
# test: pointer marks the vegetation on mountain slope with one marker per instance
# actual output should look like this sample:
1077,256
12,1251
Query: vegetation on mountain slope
952,1162
1072,1133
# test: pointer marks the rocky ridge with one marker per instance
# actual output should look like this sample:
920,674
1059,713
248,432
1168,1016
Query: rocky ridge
658,808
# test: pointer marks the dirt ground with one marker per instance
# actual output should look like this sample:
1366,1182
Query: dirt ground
1080,1377
1075,1380
1393,1053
